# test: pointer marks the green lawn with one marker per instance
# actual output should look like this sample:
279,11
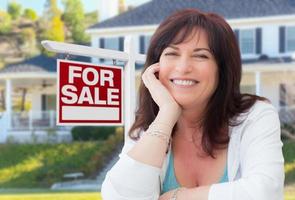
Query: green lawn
289,155
53,196
41,165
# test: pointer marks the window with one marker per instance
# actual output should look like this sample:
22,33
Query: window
144,43
290,38
247,41
111,43
48,102
147,40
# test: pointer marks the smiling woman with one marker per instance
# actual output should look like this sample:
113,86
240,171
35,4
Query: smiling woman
189,70
196,136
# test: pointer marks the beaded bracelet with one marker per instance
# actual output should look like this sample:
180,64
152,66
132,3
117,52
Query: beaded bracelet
160,135
174,195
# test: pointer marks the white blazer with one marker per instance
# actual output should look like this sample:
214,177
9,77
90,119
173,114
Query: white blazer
255,164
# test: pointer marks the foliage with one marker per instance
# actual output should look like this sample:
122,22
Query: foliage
86,133
51,10
41,165
289,155
5,22
90,18
29,37
17,107
74,19
14,9
52,26
30,14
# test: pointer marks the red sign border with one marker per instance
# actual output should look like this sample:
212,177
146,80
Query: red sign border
88,122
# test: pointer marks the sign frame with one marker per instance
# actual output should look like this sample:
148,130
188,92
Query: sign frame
96,122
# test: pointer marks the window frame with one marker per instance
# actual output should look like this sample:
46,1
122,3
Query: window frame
254,40
287,50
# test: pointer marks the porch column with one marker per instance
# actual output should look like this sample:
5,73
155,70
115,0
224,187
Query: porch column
8,102
257,83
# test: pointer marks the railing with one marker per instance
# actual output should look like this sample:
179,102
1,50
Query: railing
287,114
33,120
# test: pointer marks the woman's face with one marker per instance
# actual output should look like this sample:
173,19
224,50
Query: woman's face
189,70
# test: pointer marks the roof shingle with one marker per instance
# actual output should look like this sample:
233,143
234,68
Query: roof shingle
153,12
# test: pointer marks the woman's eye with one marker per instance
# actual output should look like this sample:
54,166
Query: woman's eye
171,54
201,56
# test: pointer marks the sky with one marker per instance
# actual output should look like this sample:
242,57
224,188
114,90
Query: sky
37,5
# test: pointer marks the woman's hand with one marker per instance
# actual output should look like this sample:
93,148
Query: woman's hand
196,193
182,194
158,91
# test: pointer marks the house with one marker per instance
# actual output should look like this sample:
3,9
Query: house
32,81
264,29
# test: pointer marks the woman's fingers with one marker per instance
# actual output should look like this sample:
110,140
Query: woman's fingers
158,91
149,76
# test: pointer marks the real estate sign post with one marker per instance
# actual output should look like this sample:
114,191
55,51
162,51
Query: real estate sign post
89,94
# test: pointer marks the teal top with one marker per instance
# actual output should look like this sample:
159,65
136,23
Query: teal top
170,181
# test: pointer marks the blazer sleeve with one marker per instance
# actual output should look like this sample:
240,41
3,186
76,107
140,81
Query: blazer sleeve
261,160
129,179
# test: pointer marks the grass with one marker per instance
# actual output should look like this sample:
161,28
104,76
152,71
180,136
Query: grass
41,165
52,196
289,155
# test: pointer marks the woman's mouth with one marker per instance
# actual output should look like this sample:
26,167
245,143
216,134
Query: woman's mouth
184,82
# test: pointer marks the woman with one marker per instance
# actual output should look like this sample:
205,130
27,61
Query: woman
196,137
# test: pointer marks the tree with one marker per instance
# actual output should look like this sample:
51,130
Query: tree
5,22
14,9
56,31
51,10
30,14
74,19
52,27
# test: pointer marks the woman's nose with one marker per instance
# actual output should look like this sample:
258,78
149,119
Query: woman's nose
184,65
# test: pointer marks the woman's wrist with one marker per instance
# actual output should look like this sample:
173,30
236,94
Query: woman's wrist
180,194
169,114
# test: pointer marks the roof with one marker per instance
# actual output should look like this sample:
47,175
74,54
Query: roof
153,12
40,64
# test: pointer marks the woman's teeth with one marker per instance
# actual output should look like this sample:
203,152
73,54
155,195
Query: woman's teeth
184,82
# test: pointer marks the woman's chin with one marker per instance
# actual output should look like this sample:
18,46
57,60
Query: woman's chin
183,103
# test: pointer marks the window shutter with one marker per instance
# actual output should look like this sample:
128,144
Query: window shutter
141,44
258,40
121,43
43,102
237,34
101,42
101,45
282,36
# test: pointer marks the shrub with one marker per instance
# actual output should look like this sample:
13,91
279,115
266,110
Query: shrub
86,133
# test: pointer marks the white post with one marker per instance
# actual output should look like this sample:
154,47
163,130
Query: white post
30,120
258,83
129,85
51,116
8,103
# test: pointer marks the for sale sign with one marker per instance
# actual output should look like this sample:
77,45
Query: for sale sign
89,94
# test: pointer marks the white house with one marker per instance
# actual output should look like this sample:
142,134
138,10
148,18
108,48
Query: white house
265,31
34,80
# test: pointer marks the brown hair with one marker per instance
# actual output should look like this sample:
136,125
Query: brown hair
227,101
